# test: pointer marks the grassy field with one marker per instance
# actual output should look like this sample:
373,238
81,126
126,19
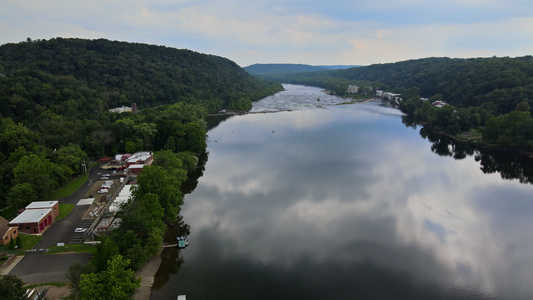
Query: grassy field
69,188
81,248
64,210
28,242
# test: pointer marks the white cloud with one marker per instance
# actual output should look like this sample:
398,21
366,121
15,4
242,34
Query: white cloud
314,32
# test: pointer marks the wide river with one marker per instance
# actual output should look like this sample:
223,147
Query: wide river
346,202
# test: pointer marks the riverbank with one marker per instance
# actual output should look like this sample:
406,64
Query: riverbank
468,138
147,275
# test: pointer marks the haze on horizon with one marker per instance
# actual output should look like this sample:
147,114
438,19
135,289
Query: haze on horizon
315,32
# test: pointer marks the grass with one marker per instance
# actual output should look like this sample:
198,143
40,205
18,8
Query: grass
28,242
79,248
64,210
69,188
58,284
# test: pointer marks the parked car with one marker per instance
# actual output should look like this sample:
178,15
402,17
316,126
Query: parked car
103,191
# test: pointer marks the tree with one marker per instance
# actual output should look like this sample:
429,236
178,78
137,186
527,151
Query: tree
11,288
21,195
156,180
146,132
14,135
71,156
106,250
74,278
115,283
523,106
38,172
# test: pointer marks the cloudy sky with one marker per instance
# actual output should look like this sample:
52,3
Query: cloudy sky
317,32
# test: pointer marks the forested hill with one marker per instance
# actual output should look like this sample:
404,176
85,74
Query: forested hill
265,69
55,98
258,69
461,82
67,75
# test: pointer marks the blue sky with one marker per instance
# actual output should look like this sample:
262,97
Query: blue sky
316,32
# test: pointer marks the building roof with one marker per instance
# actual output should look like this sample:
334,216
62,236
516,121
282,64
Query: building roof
31,216
41,204
139,156
137,166
4,227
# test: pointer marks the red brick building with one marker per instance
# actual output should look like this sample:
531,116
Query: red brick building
7,233
54,205
135,170
33,220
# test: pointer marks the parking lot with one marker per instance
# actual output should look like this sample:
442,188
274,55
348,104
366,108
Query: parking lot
36,267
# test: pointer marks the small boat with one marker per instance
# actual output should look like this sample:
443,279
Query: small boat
183,243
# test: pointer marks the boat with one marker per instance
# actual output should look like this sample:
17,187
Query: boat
182,241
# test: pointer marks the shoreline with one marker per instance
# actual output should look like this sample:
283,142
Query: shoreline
147,275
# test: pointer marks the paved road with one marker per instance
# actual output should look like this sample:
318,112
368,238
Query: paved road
40,268
37,267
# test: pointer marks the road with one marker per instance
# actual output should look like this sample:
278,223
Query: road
38,267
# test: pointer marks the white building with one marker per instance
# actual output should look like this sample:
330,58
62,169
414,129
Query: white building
353,89
121,109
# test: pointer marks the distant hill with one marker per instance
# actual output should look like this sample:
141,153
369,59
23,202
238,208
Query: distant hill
339,67
263,69
258,69
95,75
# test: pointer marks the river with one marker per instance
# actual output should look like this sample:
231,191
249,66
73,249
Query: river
345,202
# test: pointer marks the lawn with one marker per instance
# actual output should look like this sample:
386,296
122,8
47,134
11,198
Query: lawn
64,210
69,188
81,248
28,242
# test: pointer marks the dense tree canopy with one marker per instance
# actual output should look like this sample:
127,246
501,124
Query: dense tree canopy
11,288
116,282
55,98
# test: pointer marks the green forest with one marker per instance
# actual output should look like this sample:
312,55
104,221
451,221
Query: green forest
491,96
263,69
55,97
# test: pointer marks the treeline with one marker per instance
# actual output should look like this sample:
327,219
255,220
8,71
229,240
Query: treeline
78,76
262,69
481,92
55,96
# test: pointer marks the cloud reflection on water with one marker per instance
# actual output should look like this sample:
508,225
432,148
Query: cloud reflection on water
339,187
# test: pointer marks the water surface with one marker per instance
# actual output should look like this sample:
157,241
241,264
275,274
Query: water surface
345,202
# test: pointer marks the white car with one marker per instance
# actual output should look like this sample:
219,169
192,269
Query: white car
80,230
103,191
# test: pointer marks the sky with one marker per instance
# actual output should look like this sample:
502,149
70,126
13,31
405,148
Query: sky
315,32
